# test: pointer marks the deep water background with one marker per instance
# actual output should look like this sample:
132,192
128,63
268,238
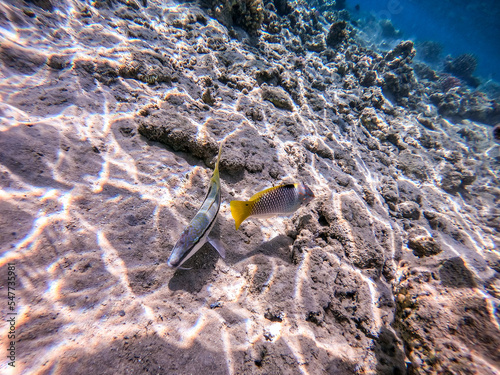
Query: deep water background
460,26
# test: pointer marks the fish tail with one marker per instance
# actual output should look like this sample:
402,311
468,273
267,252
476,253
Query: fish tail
216,170
240,211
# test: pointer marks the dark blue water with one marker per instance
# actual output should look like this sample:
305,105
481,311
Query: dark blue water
460,26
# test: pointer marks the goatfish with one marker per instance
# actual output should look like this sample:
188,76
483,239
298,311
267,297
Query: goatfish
196,233
279,200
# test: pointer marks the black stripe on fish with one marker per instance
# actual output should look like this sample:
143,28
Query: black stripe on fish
203,238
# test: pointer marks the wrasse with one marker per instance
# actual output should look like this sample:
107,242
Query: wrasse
278,200
196,233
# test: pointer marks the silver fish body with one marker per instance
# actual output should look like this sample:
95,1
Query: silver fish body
196,233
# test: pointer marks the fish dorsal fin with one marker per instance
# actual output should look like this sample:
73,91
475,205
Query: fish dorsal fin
261,193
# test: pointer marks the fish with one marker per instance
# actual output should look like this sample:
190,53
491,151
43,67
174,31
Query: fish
279,200
195,235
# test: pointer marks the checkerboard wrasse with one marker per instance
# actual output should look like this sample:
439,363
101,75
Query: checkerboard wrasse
197,232
279,200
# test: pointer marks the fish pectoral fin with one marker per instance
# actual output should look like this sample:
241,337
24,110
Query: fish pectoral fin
240,210
184,268
217,245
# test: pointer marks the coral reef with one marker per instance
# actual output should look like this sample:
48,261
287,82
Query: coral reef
399,79
283,7
247,14
475,106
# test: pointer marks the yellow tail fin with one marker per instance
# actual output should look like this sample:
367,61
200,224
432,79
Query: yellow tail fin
216,169
240,211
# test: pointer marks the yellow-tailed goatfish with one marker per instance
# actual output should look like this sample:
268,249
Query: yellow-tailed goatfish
196,233
278,200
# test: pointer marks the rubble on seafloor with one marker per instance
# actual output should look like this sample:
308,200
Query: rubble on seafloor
392,269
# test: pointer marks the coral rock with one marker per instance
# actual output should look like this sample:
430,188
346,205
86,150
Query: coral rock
337,34
424,246
57,61
318,146
44,4
207,97
456,177
278,97
425,121
496,133
21,59
402,50
410,210
248,14
177,132
414,166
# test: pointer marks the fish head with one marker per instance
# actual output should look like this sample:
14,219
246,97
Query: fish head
191,240
174,260
305,194
181,251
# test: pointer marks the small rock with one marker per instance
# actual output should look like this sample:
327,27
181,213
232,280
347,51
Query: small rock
176,131
317,146
410,210
414,166
278,97
371,121
29,12
425,121
424,246
317,44
274,316
215,305
456,177
207,97
58,62
315,317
